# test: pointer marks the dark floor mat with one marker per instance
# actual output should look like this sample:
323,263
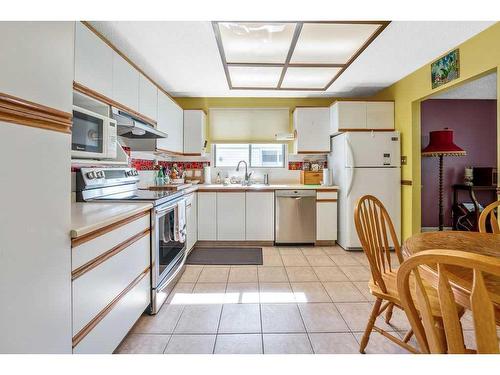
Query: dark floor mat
225,256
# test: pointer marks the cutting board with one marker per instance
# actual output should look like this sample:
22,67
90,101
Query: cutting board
169,187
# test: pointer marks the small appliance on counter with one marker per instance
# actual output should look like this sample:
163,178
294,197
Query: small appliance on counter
168,227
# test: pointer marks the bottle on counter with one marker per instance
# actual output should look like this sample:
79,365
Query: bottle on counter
218,179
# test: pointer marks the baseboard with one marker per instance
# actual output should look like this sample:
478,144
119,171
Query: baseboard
234,243
434,229
325,243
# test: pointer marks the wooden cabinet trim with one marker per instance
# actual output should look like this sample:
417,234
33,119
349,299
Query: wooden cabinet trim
327,190
99,232
313,152
96,95
93,263
23,112
113,47
102,314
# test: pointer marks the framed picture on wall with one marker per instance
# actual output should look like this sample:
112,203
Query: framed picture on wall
445,69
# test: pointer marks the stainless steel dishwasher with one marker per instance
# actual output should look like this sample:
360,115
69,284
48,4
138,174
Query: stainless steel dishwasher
295,216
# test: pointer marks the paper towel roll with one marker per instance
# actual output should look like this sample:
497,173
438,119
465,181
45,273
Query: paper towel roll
326,177
207,177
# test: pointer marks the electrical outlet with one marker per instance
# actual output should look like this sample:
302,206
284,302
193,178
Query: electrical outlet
404,160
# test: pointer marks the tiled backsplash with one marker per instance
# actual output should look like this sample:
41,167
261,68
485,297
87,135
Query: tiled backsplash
148,165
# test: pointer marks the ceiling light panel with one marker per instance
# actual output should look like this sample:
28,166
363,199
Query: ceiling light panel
323,43
254,76
256,42
308,78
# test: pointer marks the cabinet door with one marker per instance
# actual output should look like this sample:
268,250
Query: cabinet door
350,115
380,115
194,131
170,121
207,216
313,129
37,62
192,222
259,225
326,221
125,83
230,216
93,61
148,98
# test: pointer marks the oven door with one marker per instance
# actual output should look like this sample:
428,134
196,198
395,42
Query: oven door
167,253
89,134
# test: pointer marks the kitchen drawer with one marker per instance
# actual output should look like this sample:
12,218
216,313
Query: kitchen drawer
110,331
96,288
326,195
89,250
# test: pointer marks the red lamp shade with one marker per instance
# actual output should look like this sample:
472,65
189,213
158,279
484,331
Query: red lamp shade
441,143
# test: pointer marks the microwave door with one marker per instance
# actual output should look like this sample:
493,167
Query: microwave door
87,135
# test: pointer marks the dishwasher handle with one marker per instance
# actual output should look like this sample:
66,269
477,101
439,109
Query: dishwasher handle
295,193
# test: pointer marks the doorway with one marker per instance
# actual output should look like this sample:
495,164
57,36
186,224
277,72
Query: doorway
470,111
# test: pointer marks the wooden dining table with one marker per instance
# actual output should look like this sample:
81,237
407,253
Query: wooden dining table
460,278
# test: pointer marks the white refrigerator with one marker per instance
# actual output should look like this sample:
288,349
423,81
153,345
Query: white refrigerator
364,163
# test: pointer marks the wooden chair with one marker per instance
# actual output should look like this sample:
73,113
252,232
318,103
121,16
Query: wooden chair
374,227
417,302
489,211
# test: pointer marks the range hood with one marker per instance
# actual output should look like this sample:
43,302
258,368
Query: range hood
129,126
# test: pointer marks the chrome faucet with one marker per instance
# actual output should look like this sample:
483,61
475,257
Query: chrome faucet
246,182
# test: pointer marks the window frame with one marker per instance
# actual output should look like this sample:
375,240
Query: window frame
250,165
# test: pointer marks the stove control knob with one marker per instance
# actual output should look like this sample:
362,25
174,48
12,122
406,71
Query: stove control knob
100,174
91,175
136,173
130,173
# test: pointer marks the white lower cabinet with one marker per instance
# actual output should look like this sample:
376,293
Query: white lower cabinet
111,330
207,216
231,216
110,284
191,221
259,225
326,216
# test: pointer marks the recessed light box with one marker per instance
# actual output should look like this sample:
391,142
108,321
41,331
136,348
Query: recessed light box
308,78
254,76
323,43
256,42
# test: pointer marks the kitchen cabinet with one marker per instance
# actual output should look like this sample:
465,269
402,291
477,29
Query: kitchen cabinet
207,216
345,116
37,62
110,283
312,126
194,131
231,216
93,61
380,115
259,214
326,216
191,220
125,83
148,98
170,121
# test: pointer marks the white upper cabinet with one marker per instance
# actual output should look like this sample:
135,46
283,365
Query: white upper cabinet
313,129
259,221
380,115
36,60
125,83
93,61
148,98
345,116
231,216
194,131
170,121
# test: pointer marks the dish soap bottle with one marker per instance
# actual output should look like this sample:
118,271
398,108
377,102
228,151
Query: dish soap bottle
218,180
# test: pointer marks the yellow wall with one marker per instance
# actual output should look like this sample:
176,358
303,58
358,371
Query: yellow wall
478,56
291,103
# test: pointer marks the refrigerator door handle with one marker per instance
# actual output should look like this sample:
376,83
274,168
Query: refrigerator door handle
349,150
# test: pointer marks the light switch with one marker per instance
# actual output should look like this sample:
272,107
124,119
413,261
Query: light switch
404,160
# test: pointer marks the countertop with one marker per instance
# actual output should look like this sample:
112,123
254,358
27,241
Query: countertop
88,217
257,187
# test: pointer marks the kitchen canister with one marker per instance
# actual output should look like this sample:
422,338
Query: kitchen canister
326,177
207,177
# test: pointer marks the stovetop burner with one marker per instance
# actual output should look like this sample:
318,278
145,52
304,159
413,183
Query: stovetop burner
156,197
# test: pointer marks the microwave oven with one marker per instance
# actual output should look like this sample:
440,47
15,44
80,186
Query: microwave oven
93,135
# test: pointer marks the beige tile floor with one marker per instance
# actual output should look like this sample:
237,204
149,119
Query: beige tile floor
301,300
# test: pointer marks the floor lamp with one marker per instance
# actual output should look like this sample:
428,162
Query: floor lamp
440,145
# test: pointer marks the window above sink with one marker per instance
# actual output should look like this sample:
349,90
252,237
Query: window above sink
257,155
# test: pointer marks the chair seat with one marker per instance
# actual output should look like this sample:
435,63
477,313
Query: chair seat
392,295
